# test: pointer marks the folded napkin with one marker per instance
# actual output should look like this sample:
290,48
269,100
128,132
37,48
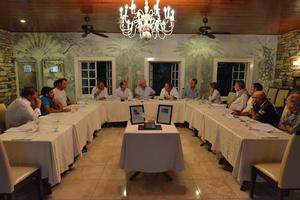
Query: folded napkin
262,127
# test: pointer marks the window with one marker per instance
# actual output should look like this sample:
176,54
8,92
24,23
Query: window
93,71
54,69
228,73
162,72
27,68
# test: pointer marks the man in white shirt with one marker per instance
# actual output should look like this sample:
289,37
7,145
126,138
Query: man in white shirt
100,91
21,110
255,87
123,92
169,92
191,92
241,98
60,95
143,91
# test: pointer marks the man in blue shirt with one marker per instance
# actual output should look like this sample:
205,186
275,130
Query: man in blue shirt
48,106
191,92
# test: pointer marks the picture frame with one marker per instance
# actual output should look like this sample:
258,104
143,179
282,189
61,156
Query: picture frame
164,114
137,114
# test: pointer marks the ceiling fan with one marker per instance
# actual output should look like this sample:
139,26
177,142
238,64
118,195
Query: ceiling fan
206,30
88,28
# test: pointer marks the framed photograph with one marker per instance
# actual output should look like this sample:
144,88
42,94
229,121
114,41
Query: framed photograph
164,114
137,115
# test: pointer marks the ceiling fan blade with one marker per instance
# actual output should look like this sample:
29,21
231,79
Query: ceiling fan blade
99,34
84,35
210,35
220,33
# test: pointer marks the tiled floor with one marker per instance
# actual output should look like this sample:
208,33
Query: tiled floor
96,175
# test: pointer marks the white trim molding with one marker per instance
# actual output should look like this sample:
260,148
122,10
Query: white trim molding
250,67
77,79
181,62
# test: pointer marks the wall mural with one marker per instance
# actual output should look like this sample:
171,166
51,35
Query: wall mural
197,51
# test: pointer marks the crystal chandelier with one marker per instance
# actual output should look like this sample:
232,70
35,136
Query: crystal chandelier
148,22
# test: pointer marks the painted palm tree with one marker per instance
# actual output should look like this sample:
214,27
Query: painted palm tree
266,55
38,46
129,55
198,52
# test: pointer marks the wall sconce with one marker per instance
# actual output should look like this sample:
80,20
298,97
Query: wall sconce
296,63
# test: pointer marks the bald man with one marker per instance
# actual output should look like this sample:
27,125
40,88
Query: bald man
263,110
143,91
291,123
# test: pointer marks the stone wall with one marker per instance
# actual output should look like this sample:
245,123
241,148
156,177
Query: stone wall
288,51
7,70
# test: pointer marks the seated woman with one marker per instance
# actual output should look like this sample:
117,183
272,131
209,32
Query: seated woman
169,92
48,105
214,94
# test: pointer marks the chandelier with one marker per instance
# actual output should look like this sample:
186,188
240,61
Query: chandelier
148,22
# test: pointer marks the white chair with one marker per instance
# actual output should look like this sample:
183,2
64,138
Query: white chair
285,174
230,97
2,117
280,98
271,94
14,177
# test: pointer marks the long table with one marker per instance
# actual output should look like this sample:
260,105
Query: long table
240,145
56,150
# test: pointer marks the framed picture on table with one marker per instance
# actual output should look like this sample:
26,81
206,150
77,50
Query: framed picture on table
164,114
137,115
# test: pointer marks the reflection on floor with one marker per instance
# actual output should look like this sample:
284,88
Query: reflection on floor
96,175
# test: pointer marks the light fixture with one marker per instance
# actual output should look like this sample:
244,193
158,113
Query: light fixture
296,63
148,22
23,21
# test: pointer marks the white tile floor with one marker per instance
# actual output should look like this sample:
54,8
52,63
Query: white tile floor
96,175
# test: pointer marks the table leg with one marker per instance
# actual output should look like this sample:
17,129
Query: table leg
244,186
169,178
134,176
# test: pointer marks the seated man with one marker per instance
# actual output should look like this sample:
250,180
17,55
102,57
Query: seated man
169,92
240,100
263,110
21,111
48,105
247,111
191,92
291,123
123,92
100,91
60,95
143,91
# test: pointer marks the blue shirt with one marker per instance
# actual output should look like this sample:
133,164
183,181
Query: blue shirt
46,101
188,93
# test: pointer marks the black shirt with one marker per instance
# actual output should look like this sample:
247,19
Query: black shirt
266,113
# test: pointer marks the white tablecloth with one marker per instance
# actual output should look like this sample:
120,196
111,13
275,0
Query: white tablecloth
117,111
51,150
232,138
151,151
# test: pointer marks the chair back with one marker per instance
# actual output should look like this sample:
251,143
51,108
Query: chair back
6,183
281,96
290,165
284,113
272,93
230,97
2,117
